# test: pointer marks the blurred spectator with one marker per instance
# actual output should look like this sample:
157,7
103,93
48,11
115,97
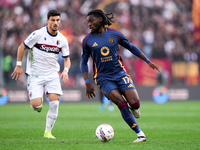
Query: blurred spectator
160,28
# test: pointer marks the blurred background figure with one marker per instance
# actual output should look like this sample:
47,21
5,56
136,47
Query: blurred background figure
167,31
106,103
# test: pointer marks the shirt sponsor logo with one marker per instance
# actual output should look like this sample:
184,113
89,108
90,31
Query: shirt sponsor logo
48,48
105,51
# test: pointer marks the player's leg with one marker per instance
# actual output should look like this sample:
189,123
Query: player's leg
35,93
116,97
53,91
52,114
130,94
110,89
132,98
36,104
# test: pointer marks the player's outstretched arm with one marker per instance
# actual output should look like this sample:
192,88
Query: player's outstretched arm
18,72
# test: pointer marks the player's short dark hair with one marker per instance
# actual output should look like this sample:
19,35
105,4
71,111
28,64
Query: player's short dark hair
53,13
107,18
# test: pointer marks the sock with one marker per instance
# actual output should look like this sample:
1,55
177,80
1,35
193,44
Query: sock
51,115
36,108
128,117
135,105
141,134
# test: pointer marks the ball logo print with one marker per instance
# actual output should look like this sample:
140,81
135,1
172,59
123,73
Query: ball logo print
104,132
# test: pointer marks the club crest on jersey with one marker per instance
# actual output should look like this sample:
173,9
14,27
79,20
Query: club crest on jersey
111,40
58,42
45,38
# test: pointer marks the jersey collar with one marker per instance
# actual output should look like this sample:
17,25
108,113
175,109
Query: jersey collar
50,33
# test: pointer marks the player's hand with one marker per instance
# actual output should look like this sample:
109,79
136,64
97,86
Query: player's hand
18,72
65,76
154,66
90,91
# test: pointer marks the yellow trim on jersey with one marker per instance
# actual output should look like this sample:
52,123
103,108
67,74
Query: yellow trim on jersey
95,75
121,64
124,69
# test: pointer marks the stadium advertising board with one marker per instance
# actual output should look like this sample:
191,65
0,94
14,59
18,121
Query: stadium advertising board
78,94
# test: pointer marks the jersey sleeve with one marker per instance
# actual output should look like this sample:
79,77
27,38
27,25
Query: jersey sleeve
32,39
65,49
84,56
123,41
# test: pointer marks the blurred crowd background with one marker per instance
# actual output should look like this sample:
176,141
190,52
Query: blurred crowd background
167,31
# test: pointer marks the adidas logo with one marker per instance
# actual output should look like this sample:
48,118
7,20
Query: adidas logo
95,44
134,125
130,85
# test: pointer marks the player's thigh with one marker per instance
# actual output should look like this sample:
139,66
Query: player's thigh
35,89
115,96
36,102
53,96
53,89
106,86
131,95
125,83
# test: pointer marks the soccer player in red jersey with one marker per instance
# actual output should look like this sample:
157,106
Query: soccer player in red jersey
109,73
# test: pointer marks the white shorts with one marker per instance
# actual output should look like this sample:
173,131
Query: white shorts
36,86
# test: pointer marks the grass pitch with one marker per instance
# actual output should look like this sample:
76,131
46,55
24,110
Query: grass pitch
169,126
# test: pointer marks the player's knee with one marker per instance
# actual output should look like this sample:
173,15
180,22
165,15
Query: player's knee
135,105
36,104
53,96
122,105
36,108
54,104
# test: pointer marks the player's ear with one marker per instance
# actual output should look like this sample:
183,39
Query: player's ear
100,19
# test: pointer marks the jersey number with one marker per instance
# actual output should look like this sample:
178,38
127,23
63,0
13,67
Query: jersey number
126,80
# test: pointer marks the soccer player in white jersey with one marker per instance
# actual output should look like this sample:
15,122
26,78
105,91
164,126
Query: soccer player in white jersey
42,67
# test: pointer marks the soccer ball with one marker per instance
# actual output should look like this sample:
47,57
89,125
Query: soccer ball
104,132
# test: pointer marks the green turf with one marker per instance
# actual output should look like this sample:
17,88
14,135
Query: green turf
169,126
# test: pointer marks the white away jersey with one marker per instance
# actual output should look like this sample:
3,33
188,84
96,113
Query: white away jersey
42,58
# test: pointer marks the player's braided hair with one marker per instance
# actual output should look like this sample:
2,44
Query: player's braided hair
107,18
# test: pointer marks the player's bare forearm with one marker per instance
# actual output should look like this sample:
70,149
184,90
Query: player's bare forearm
67,65
18,72
20,52
85,75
